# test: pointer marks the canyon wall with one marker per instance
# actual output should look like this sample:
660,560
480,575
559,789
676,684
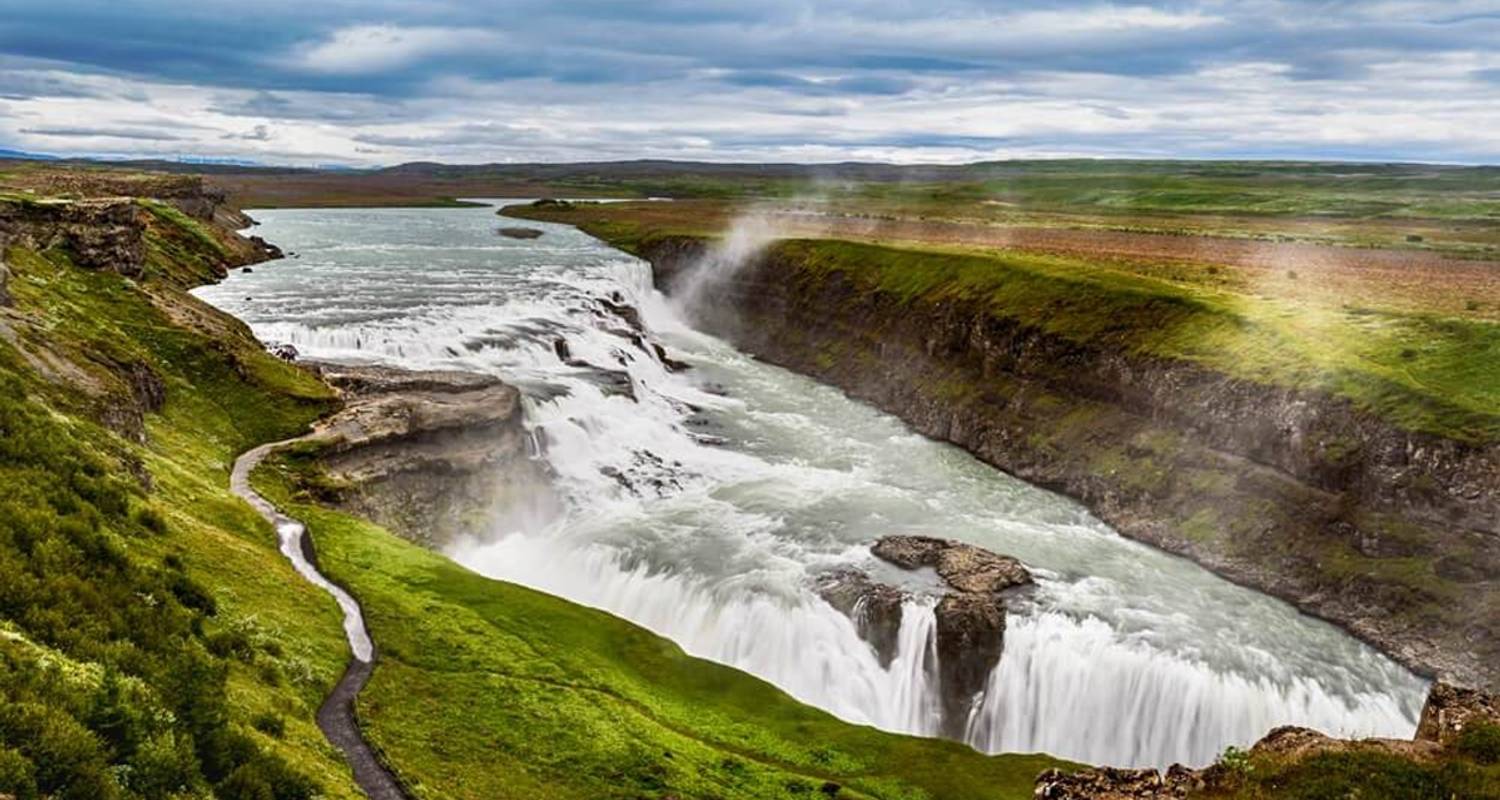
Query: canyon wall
1389,533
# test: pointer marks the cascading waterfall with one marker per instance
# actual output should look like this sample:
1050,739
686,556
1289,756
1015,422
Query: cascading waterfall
701,504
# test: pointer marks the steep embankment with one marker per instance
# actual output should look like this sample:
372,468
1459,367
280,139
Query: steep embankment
1343,458
152,639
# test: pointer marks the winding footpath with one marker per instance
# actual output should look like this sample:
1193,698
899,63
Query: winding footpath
336,715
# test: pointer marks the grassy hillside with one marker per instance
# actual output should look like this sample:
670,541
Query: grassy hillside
503,692
153,642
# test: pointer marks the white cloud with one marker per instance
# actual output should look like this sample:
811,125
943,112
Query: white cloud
367,49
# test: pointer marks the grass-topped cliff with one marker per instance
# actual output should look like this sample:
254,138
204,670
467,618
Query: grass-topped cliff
154,643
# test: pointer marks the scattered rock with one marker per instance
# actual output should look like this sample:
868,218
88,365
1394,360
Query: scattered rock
521,233
285,352
1111,783
1450,708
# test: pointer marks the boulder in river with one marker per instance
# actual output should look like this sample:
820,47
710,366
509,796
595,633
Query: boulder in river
521,233
970,614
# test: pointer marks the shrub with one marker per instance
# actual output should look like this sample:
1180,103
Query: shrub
270,724
1481,742
17,775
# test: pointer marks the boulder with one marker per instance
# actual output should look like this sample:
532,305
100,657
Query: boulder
520,233
963,566
970,615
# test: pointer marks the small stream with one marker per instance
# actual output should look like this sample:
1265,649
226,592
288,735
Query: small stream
704,507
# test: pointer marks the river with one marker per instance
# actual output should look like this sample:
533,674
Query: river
702,507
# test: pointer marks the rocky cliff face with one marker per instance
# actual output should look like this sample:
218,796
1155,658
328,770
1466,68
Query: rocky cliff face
430,455
107,234
1390,533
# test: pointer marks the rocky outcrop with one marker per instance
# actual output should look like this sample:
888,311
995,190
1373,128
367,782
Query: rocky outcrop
1449,709
970,614
1292,492
4,277
430,455
107,234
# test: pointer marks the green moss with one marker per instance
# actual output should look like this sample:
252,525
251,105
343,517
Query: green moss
565,701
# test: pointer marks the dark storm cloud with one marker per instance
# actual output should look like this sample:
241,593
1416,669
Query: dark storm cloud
139,134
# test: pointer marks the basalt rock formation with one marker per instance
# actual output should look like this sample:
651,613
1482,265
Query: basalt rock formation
970,615
1448,712
106,234
1293,492
430,455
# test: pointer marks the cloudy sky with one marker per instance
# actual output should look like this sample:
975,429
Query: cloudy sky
387,81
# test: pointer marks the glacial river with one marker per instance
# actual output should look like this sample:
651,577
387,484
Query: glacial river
702,507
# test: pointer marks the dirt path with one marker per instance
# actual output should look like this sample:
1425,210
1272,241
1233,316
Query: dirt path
336,716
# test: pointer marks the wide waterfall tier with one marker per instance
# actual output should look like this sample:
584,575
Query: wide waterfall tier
704,503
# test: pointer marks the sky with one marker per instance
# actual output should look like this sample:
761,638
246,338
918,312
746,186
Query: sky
374,82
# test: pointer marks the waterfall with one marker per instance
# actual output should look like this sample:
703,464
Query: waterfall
702,505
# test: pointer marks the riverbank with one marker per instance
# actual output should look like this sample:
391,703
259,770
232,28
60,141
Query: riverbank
1359,501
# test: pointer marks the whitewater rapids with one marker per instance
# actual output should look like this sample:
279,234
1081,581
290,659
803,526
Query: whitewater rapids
701,507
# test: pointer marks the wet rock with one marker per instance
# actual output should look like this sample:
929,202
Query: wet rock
520,233
963,566
672,364
875,608
247,270
629,313
285,352
970,615
1450,708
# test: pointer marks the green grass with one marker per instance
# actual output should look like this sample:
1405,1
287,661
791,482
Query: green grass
128,557
1422,372
503,692
1364,773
